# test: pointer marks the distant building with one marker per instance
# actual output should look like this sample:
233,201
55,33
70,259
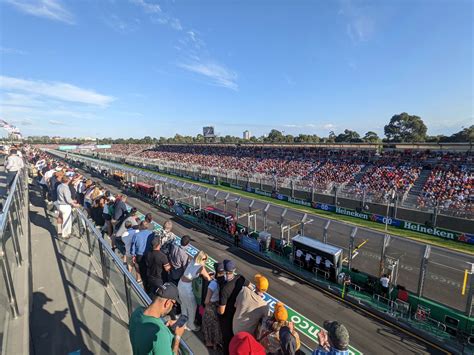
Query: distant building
246,135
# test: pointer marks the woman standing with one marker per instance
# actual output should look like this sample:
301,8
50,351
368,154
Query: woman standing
185,287
210,320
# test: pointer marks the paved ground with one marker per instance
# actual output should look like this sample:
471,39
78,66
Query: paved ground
367,335
71,310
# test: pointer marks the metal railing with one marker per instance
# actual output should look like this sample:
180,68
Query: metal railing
112,270
14,229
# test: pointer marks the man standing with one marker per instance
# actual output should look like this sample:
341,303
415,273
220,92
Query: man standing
65,204
141,244
148,333
13,164
157,265
227,298
179,259
250,306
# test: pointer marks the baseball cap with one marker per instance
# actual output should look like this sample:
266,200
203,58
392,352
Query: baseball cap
229,266
244,343
287,341
338,334
219,267
280,313
168,291
261,282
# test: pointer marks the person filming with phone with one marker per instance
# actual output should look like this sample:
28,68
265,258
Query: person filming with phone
149,331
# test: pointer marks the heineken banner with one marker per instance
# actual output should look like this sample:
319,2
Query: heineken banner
438,232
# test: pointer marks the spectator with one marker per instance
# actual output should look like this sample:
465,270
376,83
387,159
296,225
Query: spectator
120,214
179,259
65,205
141,244
157,264
288,342
148,332
185,287
13,164
268,332
127,238
335,341
132,218
149,219
384,284
167,236
227,298
210,320
244,343
250,307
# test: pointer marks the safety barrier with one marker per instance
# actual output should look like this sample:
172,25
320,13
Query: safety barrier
15,286
112,270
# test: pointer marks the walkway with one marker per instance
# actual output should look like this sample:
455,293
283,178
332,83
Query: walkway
71,310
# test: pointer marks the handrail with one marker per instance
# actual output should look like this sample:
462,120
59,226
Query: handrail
144,298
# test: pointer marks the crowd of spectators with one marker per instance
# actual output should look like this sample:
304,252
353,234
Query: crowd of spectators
360,172
449,187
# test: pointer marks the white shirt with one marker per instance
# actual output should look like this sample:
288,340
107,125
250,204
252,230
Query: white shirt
384,281
318,260
328,263
47,175
299,253
309,257
14,163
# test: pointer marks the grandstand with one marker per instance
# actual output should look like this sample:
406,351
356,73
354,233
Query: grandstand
447,178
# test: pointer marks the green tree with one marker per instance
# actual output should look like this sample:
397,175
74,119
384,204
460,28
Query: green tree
405,128
348,136
274,136
464,135
371,137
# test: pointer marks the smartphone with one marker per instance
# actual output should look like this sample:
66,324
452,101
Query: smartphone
180,322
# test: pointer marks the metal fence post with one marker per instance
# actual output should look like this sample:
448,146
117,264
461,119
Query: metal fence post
325,232
128,297
15,243
105,274
351,246
470,297
386,241
9,285
423,267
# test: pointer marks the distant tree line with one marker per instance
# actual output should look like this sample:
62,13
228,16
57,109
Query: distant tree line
402,128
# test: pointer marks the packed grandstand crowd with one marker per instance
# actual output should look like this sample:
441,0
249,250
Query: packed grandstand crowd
449,184
234,318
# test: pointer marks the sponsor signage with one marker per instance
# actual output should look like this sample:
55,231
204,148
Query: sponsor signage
263,193
438,232
238,187
299,201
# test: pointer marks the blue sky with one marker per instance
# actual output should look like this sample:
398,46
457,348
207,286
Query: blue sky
125,68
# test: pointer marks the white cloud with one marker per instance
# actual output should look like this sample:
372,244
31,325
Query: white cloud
218,74
7,50
122,26
149,7
360,26
57,123
329,126
50,9
55,90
